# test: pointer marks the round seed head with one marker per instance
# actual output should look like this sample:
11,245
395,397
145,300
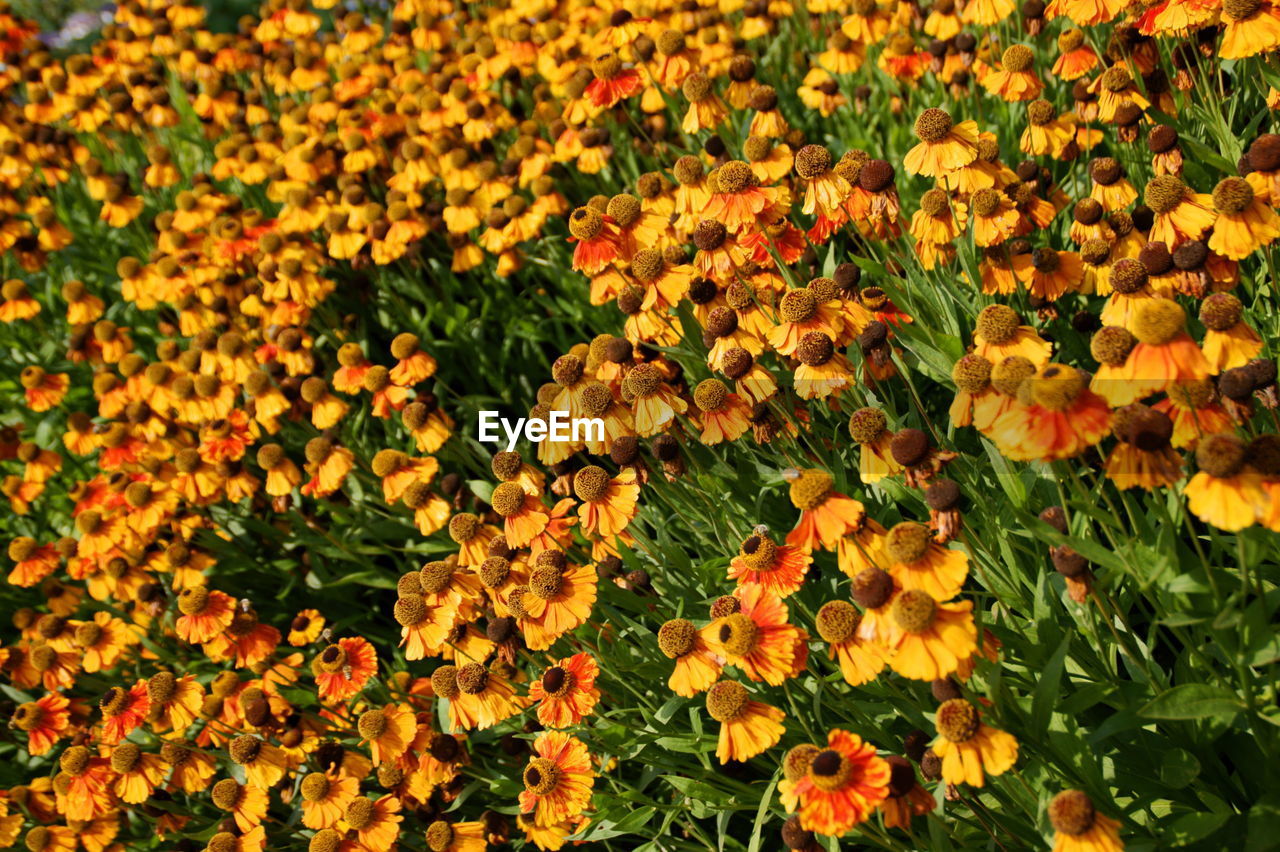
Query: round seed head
914,610
957,720
907,542
1017,58
933,125
727,700
1071,812
837,622
1158,321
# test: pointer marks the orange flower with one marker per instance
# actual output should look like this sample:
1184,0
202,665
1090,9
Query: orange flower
1226,493
566,692
44,721
472,538
1014,79
976,400
52,838
597,240
1245,221
102,640
246,803
137,774
342,669
826,515
611,83
825,191
930,639
1080,828
43,390
696,666
860,659
1111,346
969,749
387,732
264,764
868,428
524,516
725,415
1075,58
32,562
557,780
1051,274
483,698
608,504
944,146
1252,27
937,223
761,561
843,785
305,628
1060,419
86,793
916,561
740,202
376,822
558,599
994,217
1143,458
655,404
1196,412
412,364
325,798
1228,341
757,637
1181,215
123,711
1165,354
906,799
823,373
192,769
205,614
747,727
443,836
801,311
706,110
424,629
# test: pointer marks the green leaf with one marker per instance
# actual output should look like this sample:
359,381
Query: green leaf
1189,828
1178,768
667,710
761,814
1263,824
1047,689
1192,701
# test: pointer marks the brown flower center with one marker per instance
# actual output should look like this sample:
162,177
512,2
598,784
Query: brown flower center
914,611
1158,321
957,720
933,125
998,323
738,634
676,637
360,812
507,499
837,622
591,483
727,700
1071,812
541,776
830,771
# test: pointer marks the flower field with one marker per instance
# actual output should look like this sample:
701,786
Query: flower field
932,500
